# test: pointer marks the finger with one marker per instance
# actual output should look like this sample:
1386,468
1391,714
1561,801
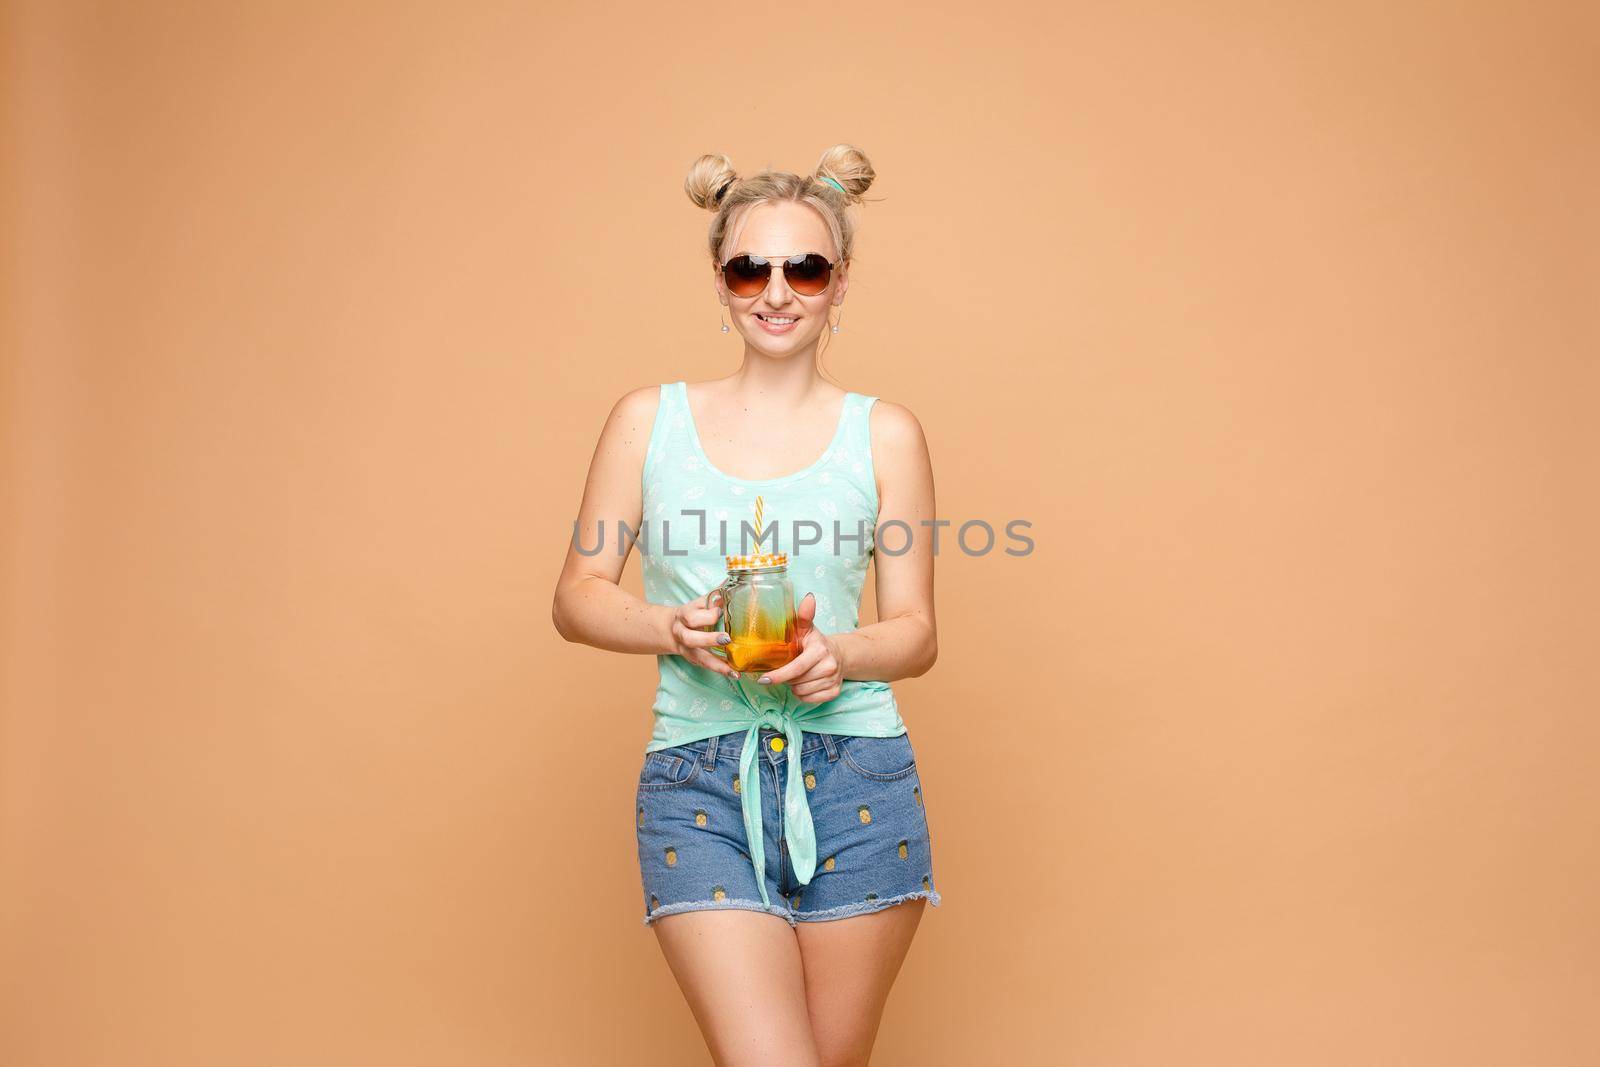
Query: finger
795,668
699,615
703,638
711,663
815,692
804,614
809,683
818,653
810,677
693,620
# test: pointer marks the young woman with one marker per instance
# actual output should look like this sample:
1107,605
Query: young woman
783,838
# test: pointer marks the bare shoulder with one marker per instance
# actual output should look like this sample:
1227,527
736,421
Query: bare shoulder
902,468
896,430
637,402
633,416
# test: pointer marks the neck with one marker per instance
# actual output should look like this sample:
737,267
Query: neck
765,383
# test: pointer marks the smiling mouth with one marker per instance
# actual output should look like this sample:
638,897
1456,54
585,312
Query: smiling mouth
778,320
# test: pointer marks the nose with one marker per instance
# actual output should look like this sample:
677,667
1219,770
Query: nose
778,292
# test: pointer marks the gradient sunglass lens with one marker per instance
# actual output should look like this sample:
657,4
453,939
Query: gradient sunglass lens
745,275
809,275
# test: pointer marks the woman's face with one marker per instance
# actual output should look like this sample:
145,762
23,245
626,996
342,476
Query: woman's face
776,230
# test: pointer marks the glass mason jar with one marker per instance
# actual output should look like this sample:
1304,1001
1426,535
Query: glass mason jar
757,612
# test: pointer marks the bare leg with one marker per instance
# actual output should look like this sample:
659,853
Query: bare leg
740,971
850,965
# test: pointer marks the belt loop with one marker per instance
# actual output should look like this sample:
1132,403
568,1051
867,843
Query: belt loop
711,754
833,750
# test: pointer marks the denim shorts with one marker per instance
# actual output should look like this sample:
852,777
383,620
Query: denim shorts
867,811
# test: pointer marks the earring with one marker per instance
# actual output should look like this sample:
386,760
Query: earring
836,324
724,324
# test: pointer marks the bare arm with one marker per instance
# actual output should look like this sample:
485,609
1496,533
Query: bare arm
904,642
589,606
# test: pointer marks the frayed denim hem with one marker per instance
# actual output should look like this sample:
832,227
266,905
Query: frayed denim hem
719,905
845,911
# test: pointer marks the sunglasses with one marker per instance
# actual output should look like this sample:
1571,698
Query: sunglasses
807,273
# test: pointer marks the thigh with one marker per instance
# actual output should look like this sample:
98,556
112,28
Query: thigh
850,966
741,973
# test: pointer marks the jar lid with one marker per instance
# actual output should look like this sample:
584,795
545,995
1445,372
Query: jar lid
762,559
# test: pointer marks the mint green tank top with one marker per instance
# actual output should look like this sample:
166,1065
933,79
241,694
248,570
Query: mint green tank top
693,516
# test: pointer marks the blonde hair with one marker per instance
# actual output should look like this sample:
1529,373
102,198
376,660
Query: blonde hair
713,184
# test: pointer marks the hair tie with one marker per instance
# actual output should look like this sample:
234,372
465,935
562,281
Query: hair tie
830,181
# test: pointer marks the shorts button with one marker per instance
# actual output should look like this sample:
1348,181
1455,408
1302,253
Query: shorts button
777,744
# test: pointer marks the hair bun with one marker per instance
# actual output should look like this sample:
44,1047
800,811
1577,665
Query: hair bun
847,165
710,178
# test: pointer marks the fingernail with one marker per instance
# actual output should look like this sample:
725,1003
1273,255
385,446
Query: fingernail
764,680
724,639
734,674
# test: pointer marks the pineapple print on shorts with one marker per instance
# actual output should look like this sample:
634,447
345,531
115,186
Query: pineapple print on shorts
864,813
903,848
736,789
701,818
671,855
811,780
829,864
719,893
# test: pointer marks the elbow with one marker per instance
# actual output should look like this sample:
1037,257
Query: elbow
567,609
930,655
559,619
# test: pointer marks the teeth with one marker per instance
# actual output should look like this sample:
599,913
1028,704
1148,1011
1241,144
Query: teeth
772,319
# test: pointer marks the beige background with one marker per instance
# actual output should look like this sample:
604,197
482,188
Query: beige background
1277,321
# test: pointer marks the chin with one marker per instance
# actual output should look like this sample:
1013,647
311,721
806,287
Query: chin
780,346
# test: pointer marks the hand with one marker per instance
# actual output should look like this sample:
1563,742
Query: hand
691,641
816,674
